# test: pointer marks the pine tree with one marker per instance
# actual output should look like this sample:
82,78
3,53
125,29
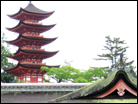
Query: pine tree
114,46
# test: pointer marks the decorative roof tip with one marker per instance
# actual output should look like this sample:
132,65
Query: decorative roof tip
30,2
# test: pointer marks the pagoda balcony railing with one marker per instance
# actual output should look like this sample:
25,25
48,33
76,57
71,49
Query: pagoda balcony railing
32,48
32,35
31,22
33,63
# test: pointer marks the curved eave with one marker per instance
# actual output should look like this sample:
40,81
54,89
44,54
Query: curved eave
46,13
101,85
21,9
28,66
35,52
31,25
111,81
31,38
12,15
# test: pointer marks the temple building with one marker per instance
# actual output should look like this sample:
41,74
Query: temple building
30,55
120,83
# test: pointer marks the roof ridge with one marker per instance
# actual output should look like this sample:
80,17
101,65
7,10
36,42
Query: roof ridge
94,87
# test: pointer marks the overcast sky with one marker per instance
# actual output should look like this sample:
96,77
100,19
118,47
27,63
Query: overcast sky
81,27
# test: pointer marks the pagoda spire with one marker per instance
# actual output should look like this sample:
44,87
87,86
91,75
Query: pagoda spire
30,2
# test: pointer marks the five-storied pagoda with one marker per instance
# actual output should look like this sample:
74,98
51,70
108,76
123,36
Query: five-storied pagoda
30,55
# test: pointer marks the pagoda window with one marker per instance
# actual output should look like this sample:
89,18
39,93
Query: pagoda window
34,74
28,79
39,79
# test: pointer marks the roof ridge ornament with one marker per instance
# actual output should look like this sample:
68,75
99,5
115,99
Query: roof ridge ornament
121,65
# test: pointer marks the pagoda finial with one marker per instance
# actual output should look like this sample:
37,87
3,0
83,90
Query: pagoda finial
29,2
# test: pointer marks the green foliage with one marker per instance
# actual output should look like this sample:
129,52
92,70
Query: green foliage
61,74
98,72
114,46
81,80
68,73
90,75
46,80
8,78
132,67
4,53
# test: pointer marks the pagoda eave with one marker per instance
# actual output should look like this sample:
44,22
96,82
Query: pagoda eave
22,14
31,54
33,51
27,68
25,27
23,40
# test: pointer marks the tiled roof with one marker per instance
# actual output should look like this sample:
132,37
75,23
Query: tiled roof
31,8
98,86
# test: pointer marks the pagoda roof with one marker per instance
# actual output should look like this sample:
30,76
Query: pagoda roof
31,9
26,68
30,40
25,27
27,53
34,66
103,87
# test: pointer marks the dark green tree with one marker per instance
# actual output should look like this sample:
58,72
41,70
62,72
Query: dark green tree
114,47
6,77
5,51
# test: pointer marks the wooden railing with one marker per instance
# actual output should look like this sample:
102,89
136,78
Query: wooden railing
32,22
33,63
25,34
30,48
